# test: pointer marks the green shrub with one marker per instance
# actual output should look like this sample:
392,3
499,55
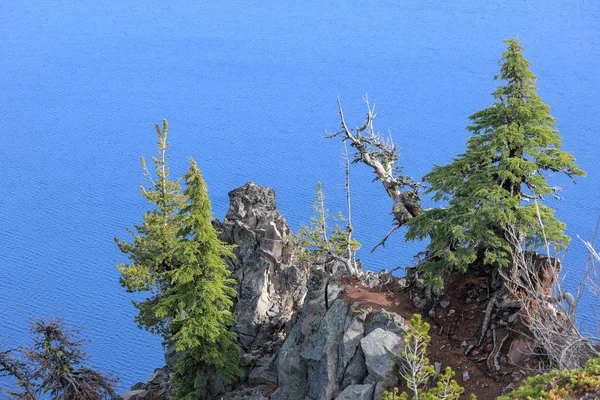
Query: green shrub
556,385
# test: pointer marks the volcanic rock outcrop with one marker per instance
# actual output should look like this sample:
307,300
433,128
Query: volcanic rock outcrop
299,337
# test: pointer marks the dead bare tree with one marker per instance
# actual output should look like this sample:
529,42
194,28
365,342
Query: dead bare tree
593,260
14,367
592,273
547,310
351,263
54,366
381,154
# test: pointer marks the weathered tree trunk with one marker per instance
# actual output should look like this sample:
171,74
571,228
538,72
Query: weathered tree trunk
381,155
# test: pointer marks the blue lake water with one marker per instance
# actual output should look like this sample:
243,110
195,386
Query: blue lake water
247,88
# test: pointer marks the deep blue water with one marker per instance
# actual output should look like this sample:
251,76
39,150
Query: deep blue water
248,88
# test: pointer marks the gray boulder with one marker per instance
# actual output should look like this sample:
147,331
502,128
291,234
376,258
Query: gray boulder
292,367
321,352
388,321
245,394
380,388
382,351
136,395
264,372
159,383
354,332
356,370
357,392
292,370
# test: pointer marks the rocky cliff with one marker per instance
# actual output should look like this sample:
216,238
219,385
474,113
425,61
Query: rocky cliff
300,337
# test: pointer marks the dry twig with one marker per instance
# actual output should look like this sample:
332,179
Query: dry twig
547,310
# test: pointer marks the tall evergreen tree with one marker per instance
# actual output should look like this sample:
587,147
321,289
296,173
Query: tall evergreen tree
177,256
200,295
500,180
152,251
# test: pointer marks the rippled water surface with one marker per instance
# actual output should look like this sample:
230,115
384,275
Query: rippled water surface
248,88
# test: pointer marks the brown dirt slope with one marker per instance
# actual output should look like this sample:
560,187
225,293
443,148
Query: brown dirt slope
454,328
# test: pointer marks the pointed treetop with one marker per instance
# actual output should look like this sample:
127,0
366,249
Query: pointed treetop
513,151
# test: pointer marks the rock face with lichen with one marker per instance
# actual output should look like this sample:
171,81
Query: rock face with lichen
269,286
299,338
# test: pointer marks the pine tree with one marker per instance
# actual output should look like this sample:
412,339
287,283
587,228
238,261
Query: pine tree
152,251
417,371
200,295
177,256
318,243
500,181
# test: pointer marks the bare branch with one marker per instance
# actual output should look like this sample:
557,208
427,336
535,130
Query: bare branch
17,369
54,366
381,155
548,312
382,243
